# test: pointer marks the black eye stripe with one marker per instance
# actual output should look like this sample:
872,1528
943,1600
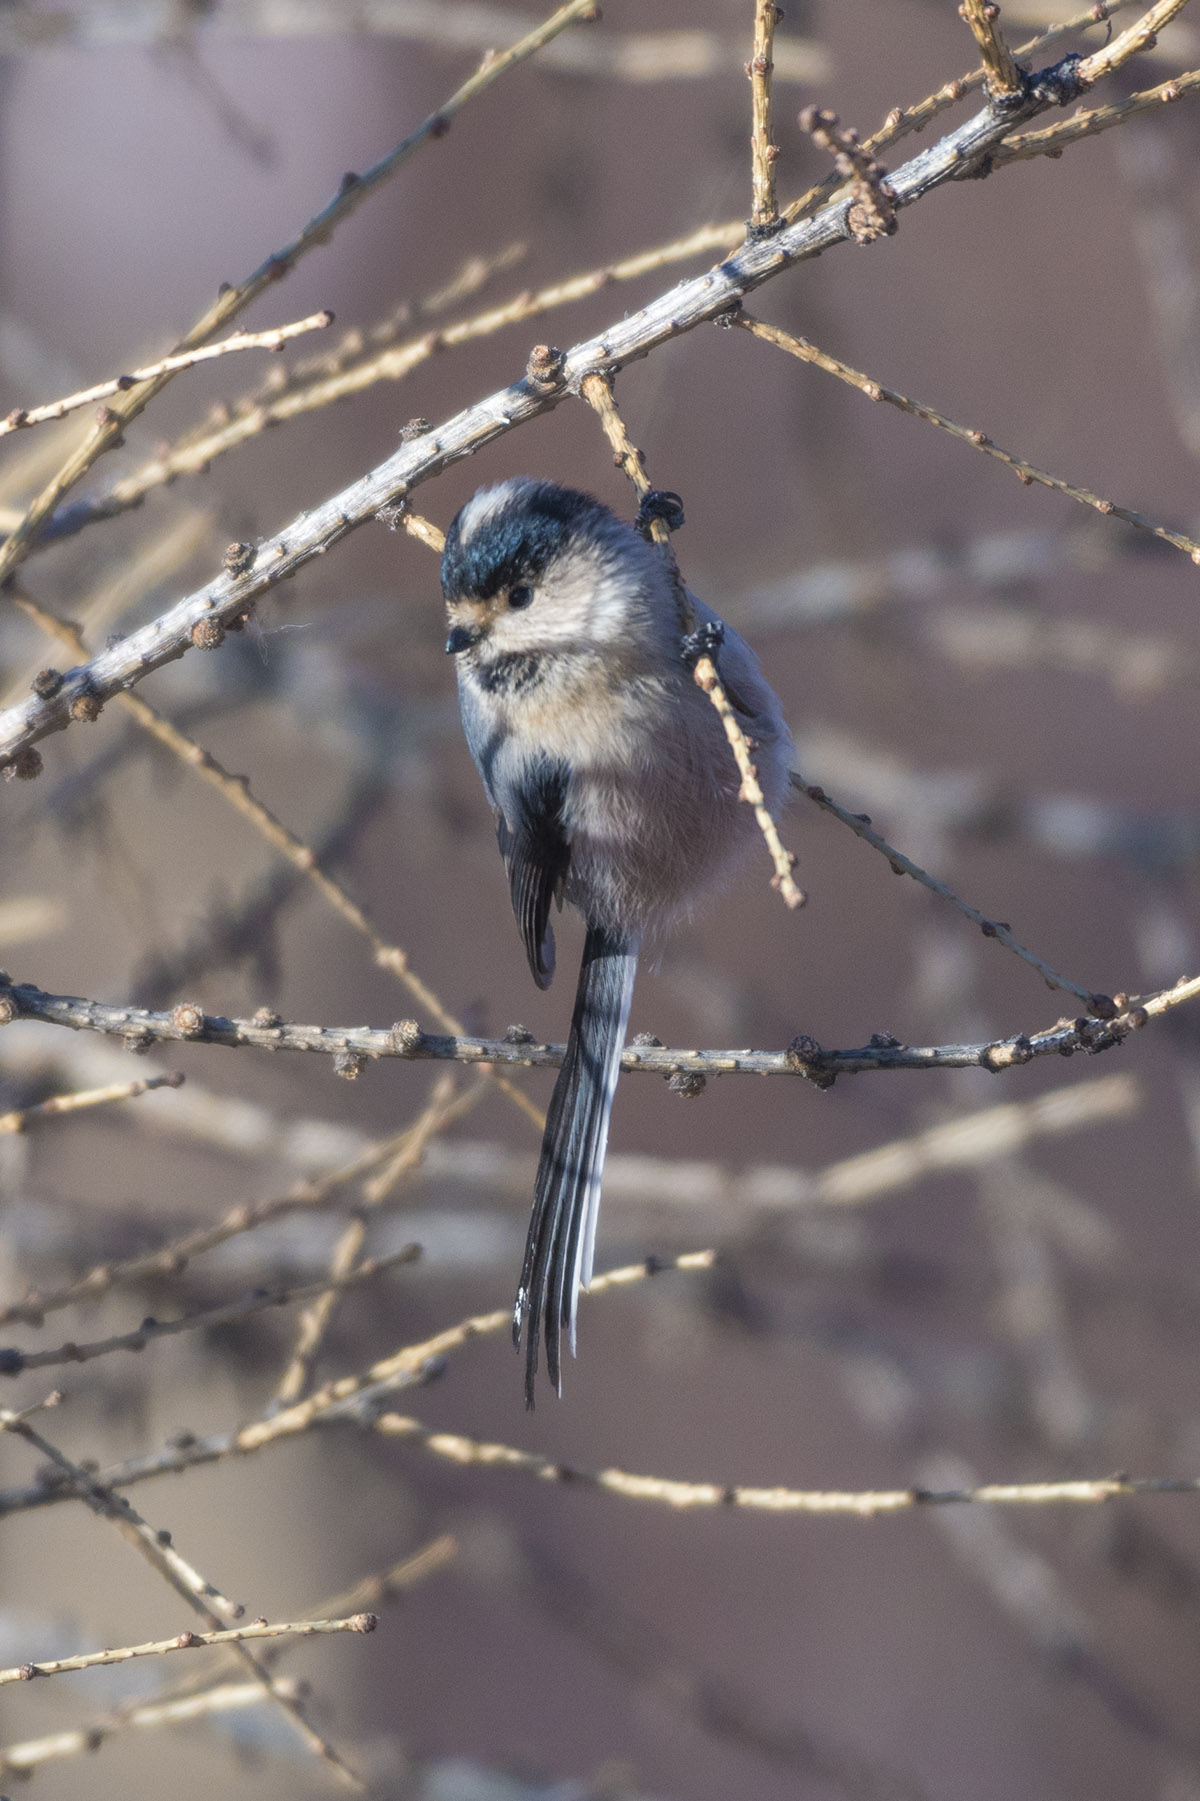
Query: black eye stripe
520,594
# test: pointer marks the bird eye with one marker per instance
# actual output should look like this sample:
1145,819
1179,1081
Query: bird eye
520,595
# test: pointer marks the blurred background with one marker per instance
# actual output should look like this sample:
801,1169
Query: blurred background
1004,681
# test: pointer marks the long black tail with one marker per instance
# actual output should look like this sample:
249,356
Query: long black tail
566,1204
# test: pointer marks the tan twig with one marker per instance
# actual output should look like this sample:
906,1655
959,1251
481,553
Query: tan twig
1129,43
352,1399
685,1496
197,449
183,1702
764,215
445,1105
1112,1020
1026,473
860,825
233,300
273,339
22,1758
1054,139
23,1117
597,390
14,1362
159,1552
190,1641
1003,77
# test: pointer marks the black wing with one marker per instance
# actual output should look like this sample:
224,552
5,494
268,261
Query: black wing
537,855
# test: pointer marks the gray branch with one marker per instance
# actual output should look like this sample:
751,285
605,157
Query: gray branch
353,1047
201,618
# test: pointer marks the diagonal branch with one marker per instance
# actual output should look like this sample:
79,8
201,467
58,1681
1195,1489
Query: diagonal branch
691,303
232,300
189,1641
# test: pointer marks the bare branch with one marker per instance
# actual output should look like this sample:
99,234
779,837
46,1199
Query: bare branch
692,303
274,339
685,1496
189,1641
233,300
1111,1022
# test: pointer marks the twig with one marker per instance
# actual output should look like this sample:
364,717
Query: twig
174,1257
444,1106
161,1554
22,1117
1054,139
196,451
860,825
155,1547
14,1362
640,57
20,1759
183,1702
687,1496
419,459
1129,43
233,300
235,790
1112,1020
189,1641
1004,79
598,392
901,122
274,339
354,1399
764,214
1026,473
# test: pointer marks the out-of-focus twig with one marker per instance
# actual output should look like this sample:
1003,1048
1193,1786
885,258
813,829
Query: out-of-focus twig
232,300
14,1362
21,1118
273,339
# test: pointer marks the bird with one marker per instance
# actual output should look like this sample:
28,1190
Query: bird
614,790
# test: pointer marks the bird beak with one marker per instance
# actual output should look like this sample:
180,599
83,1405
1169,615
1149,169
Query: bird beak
462,638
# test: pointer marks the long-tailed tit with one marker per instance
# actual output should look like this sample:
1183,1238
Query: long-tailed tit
614,788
